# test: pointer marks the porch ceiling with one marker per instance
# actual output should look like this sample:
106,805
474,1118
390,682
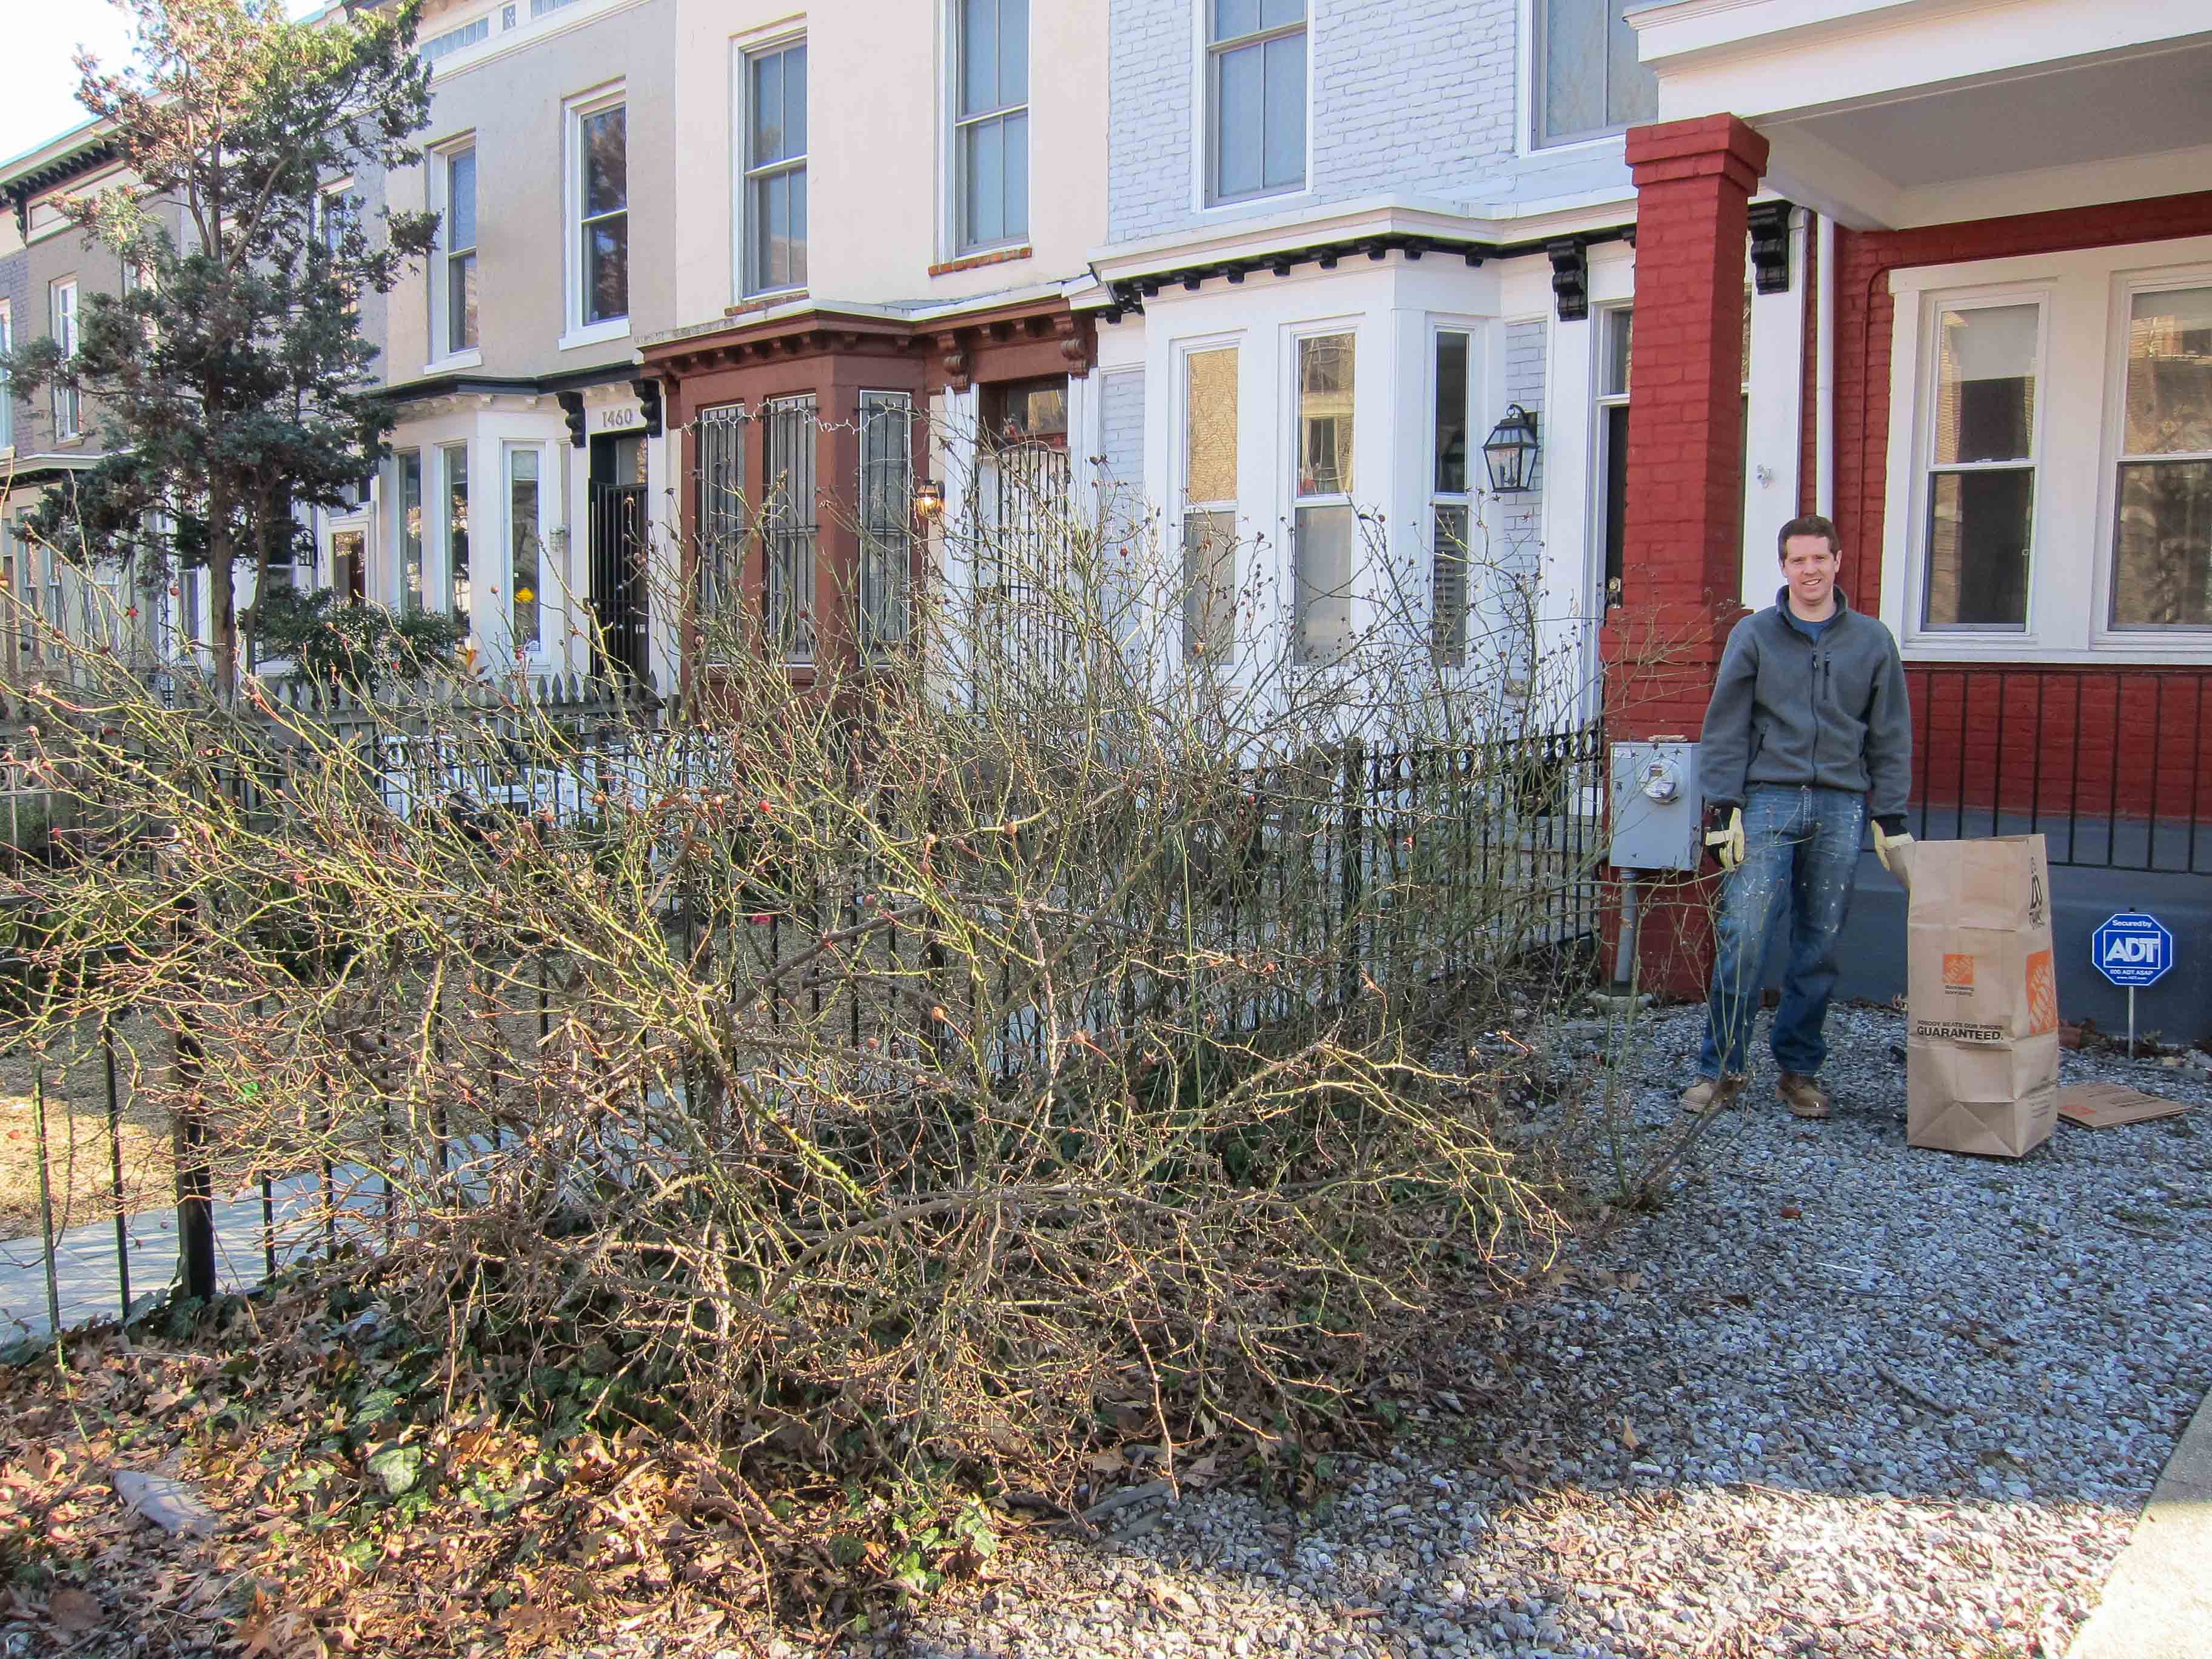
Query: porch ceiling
2059,136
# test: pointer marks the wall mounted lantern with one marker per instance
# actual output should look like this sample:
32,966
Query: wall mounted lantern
1509,452
928,501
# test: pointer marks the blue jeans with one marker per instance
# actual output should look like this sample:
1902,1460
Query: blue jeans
1802,849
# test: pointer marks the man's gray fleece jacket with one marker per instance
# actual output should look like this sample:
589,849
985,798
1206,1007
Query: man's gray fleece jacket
1790,709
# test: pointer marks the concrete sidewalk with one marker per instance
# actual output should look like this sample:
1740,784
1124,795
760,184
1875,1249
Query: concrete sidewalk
2158,1602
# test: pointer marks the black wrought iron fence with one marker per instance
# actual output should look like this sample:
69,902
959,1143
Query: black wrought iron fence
1356,863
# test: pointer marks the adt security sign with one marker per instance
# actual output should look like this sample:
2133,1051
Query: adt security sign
2132,949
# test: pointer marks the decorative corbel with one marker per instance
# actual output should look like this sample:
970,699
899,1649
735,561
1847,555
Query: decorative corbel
1078,343
648,400
955,362
1770,246
1570,277
572,406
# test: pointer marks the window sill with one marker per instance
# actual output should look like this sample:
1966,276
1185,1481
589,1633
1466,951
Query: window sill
1235,204
470,359
614,328
764,302
983,257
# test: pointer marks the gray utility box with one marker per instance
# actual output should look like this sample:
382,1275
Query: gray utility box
1658,812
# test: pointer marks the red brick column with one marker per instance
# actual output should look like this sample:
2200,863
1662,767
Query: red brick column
1683,576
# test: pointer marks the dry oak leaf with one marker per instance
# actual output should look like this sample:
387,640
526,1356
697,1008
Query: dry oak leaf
74,1610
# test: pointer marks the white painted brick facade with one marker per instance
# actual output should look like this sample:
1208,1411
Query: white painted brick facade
1410,97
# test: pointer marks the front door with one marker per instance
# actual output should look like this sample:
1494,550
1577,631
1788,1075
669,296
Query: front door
621,604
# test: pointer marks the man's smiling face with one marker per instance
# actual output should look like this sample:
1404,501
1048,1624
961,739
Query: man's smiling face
1809,566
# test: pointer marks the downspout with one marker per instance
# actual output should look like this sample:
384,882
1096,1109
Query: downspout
1824,372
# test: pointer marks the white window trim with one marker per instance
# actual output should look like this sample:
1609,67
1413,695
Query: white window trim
1468,500
2071,535
1202,136
955,194
577,332
742,53
1179,449
55,289
440,188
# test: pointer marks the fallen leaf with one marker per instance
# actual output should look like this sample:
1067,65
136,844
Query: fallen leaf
74,1610
1628,1435
1791,1212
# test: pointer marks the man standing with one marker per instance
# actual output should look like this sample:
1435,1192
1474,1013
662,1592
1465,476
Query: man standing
1808,731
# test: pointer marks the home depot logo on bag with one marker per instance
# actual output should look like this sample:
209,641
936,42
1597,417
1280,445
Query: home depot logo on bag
1958,973
2042,994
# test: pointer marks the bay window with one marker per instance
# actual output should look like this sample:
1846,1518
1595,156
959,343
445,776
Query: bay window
455,458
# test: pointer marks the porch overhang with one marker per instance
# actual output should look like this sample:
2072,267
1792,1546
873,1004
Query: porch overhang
2040,104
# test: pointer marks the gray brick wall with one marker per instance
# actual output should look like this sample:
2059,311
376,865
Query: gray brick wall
15,289
1409,97
1121,449
1524,385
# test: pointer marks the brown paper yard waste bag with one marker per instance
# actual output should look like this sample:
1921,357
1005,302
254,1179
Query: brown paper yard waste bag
1981,997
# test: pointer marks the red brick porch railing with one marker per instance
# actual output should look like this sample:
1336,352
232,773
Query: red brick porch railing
2114,765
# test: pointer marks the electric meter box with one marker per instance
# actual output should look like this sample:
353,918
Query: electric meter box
1658,810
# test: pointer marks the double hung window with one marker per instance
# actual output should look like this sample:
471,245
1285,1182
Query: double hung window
69,406
1209,514
1325,529
1256,94
788,524
454,458
723,521
1616,340
602,198
991,130
2162,489
776,169
408,465
1981,466
459,233
1589,81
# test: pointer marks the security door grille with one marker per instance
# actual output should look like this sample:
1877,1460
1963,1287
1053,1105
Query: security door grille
787,517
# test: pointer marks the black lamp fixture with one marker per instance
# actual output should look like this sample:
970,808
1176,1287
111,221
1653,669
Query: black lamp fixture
1509,452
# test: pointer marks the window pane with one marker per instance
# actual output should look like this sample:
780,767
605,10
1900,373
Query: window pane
794,101
1574,67
767,109
986,181
461,303
1325,415
457,532
795,250
1451,414
2169,374
1977,535
1013,51
1209,585
1631,88
1985,384
1448,589
886,516
1286,111
1234,17
1210,402
1239,115
2163,561
1620,335
1274,14
607,269
524,573
411,529
606,166
979,56
1324,581
461,200
1018,176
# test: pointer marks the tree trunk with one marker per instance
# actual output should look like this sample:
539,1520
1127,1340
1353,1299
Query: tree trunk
223,616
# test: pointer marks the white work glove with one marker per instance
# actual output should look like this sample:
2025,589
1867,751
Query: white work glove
1724,839
1887,846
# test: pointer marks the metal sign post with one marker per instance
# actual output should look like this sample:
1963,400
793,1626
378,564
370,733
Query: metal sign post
2132,949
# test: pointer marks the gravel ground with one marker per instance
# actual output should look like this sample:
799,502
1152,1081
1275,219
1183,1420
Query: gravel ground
1839,1398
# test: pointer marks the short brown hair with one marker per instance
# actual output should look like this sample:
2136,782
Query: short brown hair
1808,524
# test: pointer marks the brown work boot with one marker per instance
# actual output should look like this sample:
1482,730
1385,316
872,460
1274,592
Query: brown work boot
1804,1096
1712,1093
